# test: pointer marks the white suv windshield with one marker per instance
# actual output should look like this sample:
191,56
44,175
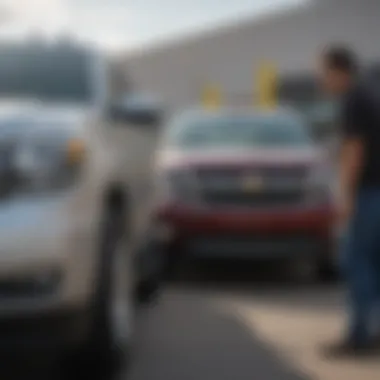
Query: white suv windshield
249,131
58,73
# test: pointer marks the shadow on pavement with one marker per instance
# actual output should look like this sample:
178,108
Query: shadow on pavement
263,282
42,367
187,337
232,272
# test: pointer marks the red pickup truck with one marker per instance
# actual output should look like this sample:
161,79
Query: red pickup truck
244,185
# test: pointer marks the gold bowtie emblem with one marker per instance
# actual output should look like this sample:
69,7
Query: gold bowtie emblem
253,184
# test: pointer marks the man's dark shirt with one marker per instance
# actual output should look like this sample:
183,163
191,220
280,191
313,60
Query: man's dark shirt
361,119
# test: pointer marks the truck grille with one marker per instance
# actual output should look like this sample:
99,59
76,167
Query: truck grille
251,200
269,187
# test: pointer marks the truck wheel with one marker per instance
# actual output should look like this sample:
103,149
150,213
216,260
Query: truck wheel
310,271
113,308
149,268
174,263
146,291
172,268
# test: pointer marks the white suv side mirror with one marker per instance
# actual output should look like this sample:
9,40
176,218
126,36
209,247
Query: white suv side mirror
135,111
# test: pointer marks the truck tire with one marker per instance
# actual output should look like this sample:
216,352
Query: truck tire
111,333
328,272
149,266
313,271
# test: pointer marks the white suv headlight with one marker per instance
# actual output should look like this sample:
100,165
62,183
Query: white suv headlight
44,163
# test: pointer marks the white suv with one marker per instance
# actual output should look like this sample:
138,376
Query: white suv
74,191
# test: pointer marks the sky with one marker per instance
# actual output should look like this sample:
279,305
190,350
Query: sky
125,24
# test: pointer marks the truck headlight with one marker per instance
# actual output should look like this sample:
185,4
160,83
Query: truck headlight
318,184
178,185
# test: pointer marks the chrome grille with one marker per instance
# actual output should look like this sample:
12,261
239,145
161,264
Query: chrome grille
251,200
269,186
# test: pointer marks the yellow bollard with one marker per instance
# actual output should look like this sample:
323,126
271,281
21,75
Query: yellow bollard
212,97
267,86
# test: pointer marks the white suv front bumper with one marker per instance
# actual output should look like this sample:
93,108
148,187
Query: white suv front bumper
47,257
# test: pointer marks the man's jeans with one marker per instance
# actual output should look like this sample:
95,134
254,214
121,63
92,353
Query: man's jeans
361,264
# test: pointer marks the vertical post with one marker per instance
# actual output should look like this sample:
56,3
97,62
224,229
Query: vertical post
267,85
212,97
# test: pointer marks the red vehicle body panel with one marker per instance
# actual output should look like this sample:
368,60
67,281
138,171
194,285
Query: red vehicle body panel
187,221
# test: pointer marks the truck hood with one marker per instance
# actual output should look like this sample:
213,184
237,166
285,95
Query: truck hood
168,159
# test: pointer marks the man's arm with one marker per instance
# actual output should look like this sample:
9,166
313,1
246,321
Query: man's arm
351,162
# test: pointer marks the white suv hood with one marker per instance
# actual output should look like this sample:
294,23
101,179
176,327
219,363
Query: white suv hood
43,113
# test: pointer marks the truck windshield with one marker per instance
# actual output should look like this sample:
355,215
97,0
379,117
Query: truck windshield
251,131
57,73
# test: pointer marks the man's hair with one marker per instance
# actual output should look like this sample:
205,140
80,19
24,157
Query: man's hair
341,58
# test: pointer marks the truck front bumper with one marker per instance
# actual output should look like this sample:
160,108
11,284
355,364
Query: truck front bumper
246,234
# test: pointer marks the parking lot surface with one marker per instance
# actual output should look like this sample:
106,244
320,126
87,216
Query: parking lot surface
246,330
234,323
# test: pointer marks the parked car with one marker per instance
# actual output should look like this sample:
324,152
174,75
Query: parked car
248,185
75,166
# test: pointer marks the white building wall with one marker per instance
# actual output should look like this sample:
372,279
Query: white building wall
231,55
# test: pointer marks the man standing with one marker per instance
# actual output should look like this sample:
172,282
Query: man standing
359,196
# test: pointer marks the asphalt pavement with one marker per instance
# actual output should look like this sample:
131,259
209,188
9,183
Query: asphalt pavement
235,324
